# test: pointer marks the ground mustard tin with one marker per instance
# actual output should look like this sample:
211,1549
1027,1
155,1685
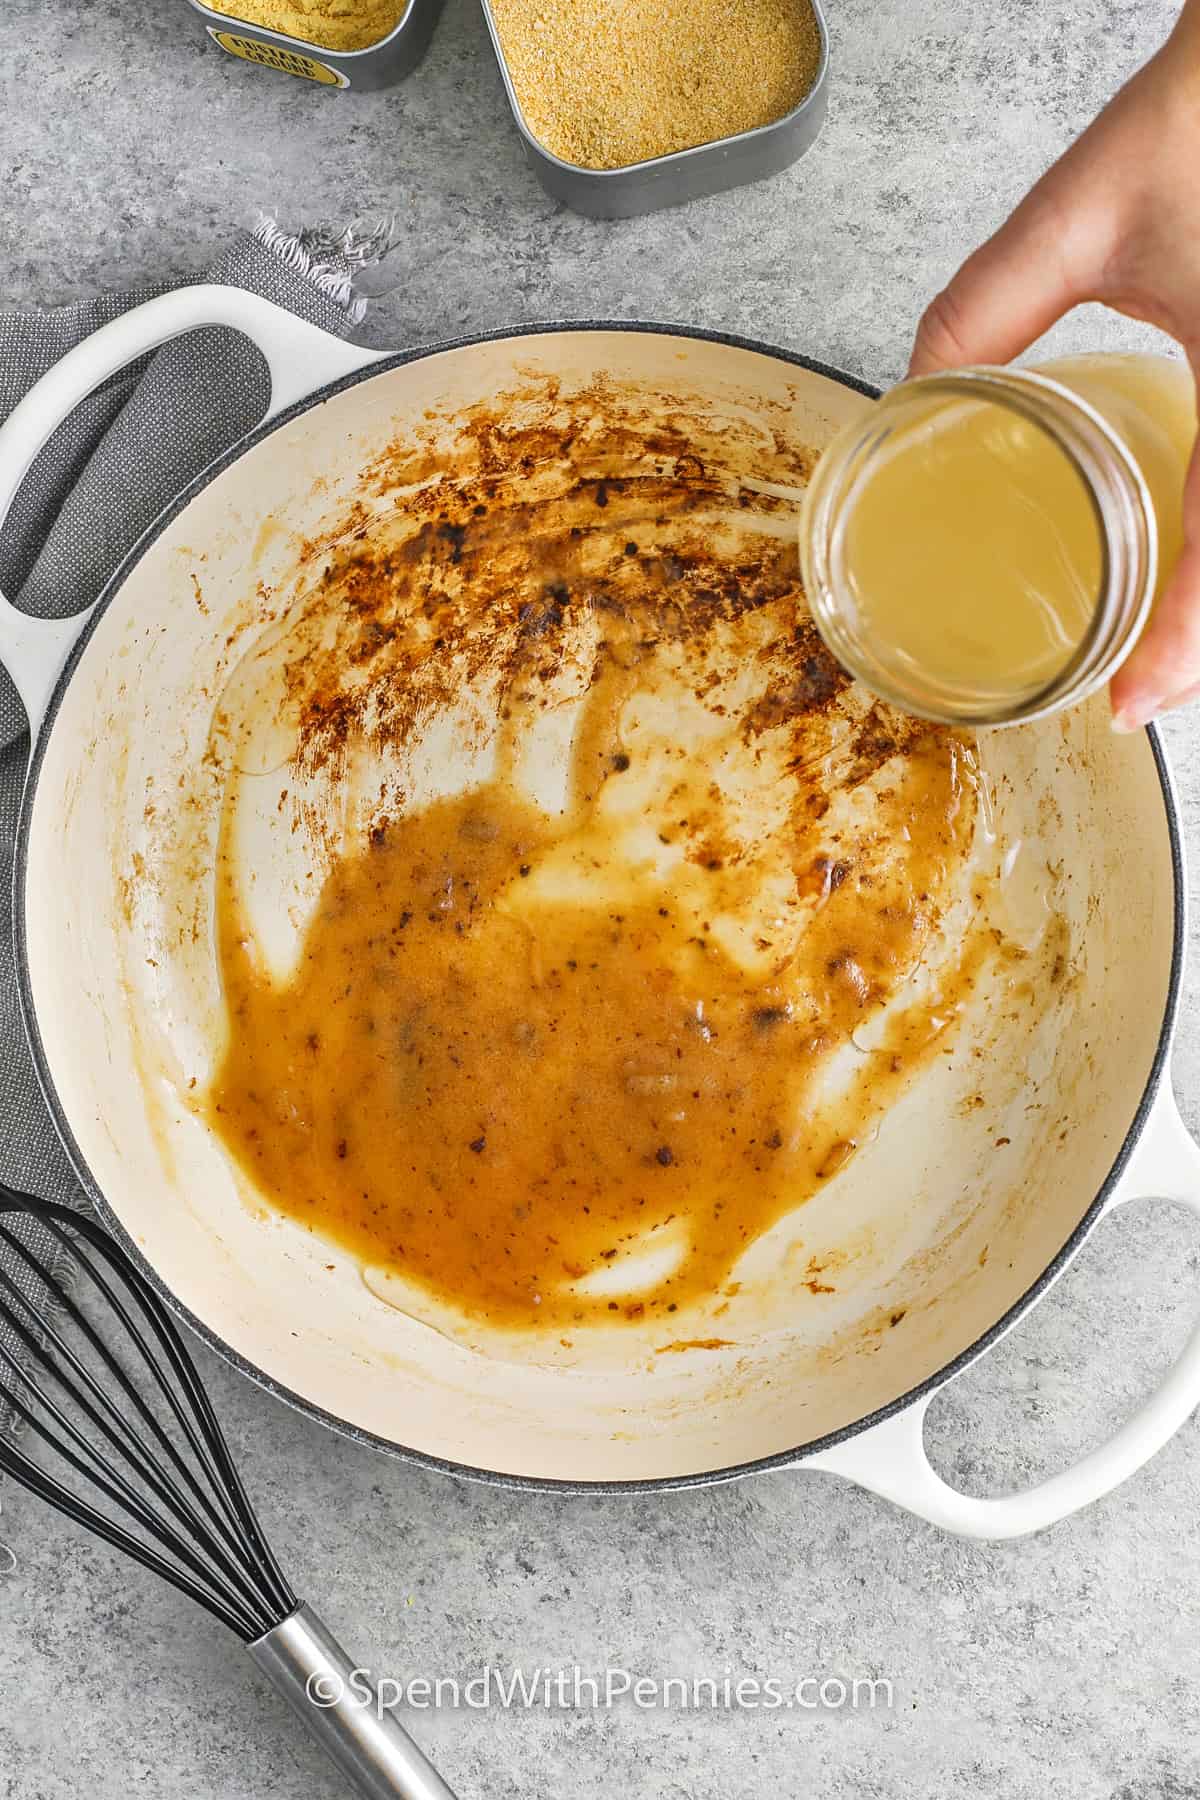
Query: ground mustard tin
379,65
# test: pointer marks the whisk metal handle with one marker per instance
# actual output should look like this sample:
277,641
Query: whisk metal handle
330,1694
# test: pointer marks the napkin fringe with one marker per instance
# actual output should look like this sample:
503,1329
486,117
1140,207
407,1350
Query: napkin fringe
331,256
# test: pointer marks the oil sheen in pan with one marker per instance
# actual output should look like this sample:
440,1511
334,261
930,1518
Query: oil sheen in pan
634,919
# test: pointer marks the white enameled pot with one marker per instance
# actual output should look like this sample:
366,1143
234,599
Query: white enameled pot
957,1241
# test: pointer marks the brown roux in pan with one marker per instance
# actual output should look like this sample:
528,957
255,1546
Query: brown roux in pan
510,1054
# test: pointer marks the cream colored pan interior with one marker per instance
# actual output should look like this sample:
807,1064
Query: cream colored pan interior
975,1180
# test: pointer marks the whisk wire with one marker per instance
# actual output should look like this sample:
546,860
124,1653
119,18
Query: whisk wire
204,1432
215,1549
197,1583
89,1463
116,1429
233,1517
28,1473
95,1369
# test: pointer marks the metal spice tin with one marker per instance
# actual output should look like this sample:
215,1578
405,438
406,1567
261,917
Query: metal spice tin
712,168
378,66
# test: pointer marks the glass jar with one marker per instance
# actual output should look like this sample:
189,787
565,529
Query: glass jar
984,546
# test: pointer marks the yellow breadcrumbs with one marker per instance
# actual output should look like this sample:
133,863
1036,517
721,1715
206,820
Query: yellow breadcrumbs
334,24
606,83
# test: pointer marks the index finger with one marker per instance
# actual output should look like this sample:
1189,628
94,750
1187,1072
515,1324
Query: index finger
1011,290
1164,669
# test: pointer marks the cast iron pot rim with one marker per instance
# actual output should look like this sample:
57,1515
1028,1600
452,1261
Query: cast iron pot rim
780,1459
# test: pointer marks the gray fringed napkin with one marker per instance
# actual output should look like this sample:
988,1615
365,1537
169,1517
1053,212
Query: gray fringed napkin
102,479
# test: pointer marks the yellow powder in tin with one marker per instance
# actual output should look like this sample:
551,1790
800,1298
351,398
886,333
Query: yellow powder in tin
606,83
334,24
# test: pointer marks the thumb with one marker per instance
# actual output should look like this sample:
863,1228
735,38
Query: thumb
1007,294
1164,669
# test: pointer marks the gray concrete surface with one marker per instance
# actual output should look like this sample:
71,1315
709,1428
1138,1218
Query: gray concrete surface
1068,1664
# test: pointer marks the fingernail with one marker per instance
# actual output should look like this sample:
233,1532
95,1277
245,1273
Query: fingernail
1134,715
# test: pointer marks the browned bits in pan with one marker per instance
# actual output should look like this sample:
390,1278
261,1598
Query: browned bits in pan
664,1004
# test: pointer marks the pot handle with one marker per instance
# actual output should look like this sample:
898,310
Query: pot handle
890,1460
299,357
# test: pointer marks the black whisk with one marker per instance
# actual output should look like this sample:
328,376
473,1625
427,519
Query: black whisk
117,1432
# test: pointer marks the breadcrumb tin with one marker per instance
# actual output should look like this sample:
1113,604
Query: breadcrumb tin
379,65
681,175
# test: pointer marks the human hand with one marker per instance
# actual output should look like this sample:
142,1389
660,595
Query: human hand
1117,219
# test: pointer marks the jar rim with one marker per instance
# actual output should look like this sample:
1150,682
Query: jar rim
1122,506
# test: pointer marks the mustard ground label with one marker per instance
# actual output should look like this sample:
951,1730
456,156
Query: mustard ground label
275,56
